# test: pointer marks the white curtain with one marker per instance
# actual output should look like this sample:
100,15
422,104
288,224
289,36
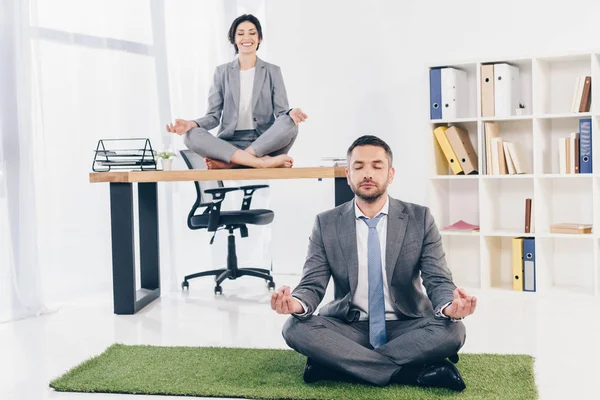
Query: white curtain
21,293
78,72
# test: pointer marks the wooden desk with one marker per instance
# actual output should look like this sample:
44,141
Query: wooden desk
126,299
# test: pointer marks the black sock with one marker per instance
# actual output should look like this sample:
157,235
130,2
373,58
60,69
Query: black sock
407,374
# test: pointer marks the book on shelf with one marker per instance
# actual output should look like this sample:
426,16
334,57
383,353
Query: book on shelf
462,226
502,157
528,215
500,90
572,228
574,151
582,94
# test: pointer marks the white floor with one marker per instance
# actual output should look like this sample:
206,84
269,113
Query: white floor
561,333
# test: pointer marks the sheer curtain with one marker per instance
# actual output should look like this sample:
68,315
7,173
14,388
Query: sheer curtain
21,293
78,72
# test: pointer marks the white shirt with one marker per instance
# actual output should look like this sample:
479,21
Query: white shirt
360,300
245,119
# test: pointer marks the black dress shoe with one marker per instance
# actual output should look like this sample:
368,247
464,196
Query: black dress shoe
313,372
453,358
442,375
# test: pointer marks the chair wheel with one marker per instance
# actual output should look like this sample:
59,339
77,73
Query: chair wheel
218,290
185,285
271,286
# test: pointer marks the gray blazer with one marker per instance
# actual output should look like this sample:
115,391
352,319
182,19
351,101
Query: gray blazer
413,250
268,96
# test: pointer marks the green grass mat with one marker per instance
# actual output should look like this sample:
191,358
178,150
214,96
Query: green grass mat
274,374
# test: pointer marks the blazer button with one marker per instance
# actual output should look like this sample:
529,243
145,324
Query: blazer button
254,119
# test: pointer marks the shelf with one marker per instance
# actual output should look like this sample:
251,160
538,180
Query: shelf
568,264
564,176
453,121
565,264
506,233
458,233
563,200
508,176
503,204
510,118
555,80
564,116
455,200
550,235
463,258
457,177
549,132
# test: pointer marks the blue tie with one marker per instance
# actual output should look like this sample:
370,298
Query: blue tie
377,335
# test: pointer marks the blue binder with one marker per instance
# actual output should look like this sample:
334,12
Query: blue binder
585,146
529,265
435,93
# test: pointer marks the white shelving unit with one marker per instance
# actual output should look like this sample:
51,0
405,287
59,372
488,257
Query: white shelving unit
565,263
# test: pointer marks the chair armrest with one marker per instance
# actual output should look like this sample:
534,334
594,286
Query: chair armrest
250,187
218,192
248,192
218,195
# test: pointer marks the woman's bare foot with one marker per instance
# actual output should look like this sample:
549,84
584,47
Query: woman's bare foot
280,161
217,164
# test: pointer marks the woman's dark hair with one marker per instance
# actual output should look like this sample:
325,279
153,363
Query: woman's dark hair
246,17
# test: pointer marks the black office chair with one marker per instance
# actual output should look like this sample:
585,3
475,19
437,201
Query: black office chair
214,219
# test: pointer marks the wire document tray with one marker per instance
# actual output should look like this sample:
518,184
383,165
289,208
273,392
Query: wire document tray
124,154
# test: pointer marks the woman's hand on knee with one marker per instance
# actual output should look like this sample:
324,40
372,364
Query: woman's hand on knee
298,115
181,126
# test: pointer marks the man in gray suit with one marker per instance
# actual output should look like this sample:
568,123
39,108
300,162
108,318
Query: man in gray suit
381,327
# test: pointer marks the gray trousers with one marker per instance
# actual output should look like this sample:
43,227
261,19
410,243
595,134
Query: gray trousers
345,346
278,139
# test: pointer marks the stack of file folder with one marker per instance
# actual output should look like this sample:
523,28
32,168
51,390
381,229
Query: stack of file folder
448,93
500,90
523,264
457,149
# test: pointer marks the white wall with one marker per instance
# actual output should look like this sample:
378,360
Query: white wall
355,67
361,68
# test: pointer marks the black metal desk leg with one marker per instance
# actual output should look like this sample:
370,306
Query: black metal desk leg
149,247
125,297
343,193
123,251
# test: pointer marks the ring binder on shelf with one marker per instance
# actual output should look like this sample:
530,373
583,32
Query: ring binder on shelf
130,154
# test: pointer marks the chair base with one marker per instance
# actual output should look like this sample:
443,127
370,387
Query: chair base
232,271
223,273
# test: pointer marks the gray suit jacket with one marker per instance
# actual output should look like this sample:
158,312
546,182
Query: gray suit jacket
413,250
268,96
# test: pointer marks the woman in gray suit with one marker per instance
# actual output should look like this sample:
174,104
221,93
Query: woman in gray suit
249,100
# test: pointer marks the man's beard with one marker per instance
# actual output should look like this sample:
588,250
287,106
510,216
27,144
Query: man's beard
371,197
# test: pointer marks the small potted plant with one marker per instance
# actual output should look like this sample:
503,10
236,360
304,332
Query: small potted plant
166,159
521,109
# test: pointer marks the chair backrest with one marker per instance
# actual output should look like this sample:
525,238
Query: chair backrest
195,161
